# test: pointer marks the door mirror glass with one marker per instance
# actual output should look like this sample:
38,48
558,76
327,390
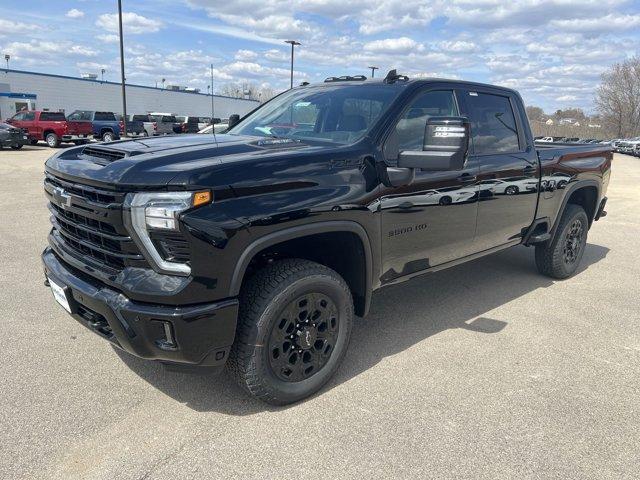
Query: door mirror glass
444,147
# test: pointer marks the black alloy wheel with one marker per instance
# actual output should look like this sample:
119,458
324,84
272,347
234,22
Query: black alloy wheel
573,242
301,343
293,330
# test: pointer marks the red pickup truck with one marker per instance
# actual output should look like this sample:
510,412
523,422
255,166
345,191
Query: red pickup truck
52,127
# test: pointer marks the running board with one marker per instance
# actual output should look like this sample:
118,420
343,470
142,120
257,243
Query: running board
540,238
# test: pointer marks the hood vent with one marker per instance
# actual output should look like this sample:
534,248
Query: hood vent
103,154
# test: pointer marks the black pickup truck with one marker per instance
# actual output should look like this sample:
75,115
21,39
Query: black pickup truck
254,249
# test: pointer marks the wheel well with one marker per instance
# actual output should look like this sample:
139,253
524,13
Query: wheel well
47,132
105,130
340,251
587,198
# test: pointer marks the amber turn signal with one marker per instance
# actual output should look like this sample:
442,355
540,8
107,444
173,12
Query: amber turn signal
201,198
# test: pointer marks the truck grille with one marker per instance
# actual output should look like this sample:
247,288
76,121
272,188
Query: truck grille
88,224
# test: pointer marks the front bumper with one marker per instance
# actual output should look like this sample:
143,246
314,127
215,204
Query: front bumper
199,334
16,139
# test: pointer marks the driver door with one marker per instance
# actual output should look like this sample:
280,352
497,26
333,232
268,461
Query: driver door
432,220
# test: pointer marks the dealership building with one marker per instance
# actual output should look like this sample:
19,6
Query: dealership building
40,91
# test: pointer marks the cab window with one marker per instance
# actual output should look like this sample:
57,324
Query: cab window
411,126
493,124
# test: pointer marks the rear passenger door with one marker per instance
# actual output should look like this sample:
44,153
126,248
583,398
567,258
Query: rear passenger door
508,167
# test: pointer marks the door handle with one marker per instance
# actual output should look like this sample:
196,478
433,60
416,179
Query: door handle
466,178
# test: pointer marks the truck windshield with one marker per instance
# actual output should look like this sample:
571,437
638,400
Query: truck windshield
337,113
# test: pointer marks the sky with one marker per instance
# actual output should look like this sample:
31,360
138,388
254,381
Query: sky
552,51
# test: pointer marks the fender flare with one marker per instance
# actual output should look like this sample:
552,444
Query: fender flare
568,192
303,231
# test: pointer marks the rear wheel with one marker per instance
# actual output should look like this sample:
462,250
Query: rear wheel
17,146
293,330
511,190
34,141
52,140
560,257
108,137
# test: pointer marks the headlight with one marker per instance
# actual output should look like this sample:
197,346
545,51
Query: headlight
160,211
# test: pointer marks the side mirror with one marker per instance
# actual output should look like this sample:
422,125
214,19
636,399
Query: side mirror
234,120
445,146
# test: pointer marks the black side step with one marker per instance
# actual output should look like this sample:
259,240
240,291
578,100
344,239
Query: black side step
539,238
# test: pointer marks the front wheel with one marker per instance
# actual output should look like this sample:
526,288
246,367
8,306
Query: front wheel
511,190
293,330
17,146
108,137
560,257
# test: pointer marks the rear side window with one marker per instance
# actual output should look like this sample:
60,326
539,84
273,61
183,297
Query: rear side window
52,117
493,125
83,115
105,117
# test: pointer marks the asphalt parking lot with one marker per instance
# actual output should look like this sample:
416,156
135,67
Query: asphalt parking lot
487,370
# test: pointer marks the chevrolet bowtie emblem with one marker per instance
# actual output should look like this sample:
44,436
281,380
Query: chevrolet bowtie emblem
63,197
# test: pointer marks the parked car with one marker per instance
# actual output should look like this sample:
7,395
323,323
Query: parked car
13,137
256,251
628,146
191,124
148,123
165,123
51,127
135,128
104,125
220,126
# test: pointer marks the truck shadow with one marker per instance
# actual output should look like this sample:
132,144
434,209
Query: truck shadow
400,317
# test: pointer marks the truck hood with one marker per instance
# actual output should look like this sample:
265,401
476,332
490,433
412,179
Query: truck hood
164,161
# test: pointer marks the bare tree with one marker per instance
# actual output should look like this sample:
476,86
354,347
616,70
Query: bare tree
618,98
247,90
534,113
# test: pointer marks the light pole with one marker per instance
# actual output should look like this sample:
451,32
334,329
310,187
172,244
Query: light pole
124,93
293,44
163,80
102,74
213,127
7,57
373,71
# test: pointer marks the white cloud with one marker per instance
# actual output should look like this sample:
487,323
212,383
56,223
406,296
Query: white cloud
598,24
45,49
245,55
74,13
108,38
10,27
131,23
393,45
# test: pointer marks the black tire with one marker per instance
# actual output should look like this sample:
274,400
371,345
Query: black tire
512,190
447,200
52,140
268,305
108,137
560,257
17,146
34,141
